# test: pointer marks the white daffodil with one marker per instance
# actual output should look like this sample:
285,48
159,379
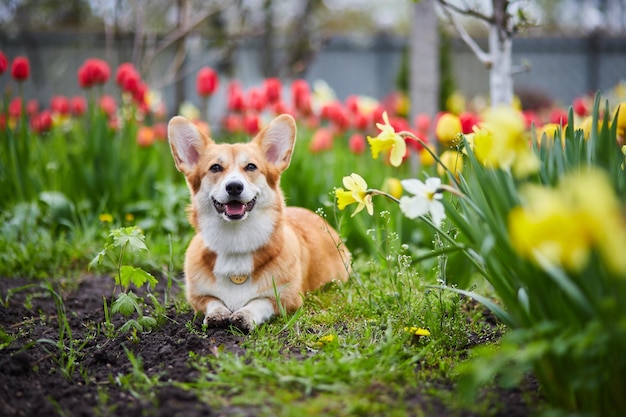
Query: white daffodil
425,199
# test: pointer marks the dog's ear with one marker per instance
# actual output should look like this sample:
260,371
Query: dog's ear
186,142
277,141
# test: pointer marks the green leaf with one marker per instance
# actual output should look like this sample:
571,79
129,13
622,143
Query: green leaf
504,316
131,324
137,276
98,258
127,304
147,322
131,236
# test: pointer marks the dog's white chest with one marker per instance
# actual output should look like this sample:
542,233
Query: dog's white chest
234,296
233,283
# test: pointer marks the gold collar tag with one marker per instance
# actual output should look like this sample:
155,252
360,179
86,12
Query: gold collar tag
238,279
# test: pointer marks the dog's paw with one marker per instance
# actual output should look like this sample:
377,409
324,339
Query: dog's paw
243,320
217,318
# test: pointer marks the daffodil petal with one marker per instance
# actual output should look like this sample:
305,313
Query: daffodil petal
414,207
397,152
413,186
437,212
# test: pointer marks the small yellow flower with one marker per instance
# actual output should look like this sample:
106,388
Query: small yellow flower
356,192
388,139
106,218
417,331
129,217
329,338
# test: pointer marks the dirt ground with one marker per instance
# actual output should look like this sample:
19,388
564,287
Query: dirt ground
31,385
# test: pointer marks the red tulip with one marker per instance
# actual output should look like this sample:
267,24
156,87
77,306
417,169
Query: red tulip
160,131
32,107
322,140
4,63
78,105
206,82
94,71
42,122
558,116
233,123
356,143
236,99
272,88
251,124
256,99
108,105
15,107
352,103
125,71
580,107
301,96
468,121
361,121
20,69
422,123
60,105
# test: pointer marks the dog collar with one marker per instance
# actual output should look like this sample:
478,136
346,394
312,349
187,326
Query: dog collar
238,279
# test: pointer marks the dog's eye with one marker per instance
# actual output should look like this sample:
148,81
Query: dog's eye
250,167
216,168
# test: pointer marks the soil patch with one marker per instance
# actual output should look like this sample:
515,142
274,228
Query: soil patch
32,382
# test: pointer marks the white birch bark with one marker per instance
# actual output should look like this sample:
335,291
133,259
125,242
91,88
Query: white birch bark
501,70
424,59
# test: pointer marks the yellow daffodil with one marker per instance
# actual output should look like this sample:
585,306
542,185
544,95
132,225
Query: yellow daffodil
546,227
388,139
355,192
563,225
501,142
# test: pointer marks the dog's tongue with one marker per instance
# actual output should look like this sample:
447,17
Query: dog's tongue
235,208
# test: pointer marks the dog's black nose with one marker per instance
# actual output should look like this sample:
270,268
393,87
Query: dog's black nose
234,188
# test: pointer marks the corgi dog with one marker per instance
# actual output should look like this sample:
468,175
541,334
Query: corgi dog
249,248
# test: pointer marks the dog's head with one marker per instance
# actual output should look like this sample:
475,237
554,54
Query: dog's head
233,181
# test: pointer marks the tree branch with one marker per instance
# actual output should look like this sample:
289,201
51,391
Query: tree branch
482,56
468,11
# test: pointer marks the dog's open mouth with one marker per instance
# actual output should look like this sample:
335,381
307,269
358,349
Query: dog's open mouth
234,209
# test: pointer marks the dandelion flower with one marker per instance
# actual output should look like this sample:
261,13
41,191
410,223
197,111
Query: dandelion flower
417,331
105,218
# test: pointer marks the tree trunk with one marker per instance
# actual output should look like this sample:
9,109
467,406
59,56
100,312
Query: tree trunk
500,73
424,60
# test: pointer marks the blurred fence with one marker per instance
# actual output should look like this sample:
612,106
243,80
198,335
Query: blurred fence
560,68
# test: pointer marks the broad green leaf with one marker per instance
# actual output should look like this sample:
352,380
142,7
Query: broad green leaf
127,304
131,236
137,276
147,322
